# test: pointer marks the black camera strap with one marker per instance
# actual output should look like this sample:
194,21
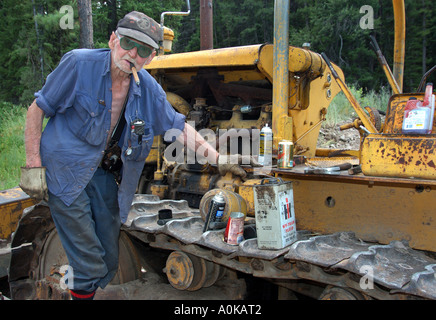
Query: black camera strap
112,156
118,130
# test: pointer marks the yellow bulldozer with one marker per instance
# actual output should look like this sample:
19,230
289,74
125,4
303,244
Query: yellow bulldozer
365,220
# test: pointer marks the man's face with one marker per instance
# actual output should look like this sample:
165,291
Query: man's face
121,58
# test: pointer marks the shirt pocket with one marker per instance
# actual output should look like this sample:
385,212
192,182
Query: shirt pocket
87,119
139,146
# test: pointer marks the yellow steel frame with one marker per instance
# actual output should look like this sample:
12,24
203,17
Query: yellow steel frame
311,85
393,154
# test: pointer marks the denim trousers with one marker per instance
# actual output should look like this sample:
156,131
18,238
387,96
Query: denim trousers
89,230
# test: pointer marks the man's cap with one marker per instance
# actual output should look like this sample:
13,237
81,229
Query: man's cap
140,27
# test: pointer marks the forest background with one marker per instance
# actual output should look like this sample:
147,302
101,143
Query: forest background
33,39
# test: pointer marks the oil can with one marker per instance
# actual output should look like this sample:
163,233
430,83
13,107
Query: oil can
274,214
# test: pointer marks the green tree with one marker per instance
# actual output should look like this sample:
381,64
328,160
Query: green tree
243,23
16,20
420,41
30,47
334,27
33,41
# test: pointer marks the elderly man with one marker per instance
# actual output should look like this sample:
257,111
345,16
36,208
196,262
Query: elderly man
89,98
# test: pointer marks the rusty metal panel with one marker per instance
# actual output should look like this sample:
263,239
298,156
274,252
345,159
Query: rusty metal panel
396,155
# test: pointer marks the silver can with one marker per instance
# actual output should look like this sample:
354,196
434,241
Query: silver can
285,154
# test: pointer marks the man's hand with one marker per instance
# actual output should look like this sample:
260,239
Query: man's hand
33,182
231,163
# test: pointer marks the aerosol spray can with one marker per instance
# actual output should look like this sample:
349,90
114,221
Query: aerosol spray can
216,210
265,147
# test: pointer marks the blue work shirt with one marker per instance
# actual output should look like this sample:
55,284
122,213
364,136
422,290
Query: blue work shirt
77,98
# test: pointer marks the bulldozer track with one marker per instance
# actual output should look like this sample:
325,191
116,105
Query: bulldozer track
394,268
377,271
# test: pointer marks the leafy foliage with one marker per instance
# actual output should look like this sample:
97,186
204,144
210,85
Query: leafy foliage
12,154
33,42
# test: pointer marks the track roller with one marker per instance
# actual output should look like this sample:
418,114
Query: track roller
338,293
188,272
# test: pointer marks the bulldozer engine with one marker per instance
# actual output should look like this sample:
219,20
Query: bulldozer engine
226,94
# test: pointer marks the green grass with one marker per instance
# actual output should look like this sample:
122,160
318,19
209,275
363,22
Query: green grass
12,153
340,109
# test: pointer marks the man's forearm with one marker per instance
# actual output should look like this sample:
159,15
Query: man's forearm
32,135
189,133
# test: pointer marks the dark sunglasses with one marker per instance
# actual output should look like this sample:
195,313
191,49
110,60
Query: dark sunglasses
127,44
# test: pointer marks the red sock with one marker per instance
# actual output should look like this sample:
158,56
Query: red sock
82,295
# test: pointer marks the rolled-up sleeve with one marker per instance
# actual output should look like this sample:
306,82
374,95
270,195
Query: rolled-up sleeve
58,93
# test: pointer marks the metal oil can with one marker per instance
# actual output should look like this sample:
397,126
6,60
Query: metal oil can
274,214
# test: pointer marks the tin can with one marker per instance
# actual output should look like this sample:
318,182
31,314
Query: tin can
234,233
285,154
275,215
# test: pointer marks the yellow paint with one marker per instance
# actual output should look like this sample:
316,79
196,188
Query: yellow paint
396,155
178,103
12,203
247,193
235,56
375,209
154,151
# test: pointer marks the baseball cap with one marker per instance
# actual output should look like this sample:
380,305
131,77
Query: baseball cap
140,27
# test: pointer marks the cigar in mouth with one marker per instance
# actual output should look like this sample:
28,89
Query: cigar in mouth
135,73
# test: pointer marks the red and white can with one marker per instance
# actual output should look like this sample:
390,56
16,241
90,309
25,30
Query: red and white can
234,233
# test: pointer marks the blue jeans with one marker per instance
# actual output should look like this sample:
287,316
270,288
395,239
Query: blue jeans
89,229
